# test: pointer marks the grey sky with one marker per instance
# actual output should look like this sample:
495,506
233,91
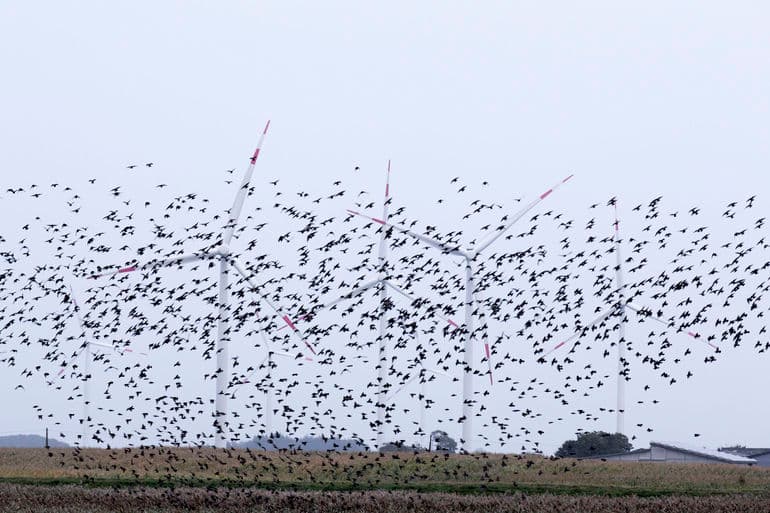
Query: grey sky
637,101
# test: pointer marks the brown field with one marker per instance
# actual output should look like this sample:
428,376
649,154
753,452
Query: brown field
71,498
372,471
193,479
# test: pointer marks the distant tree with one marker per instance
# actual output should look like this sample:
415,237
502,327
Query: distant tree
594,443
29,441
277,442
399,446
441,441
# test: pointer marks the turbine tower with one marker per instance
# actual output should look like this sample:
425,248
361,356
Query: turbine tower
469,255
382,363
620,424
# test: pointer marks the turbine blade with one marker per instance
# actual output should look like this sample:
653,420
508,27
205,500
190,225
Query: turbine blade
158,264
484,337
452,250
82,325
696,335
403,386
643,311
349,295
399,290
74,301
68,363
578,333
518,215
436,372
353,293
275,309
106,346
240,196
129,350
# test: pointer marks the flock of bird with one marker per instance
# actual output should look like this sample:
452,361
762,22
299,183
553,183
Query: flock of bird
149,337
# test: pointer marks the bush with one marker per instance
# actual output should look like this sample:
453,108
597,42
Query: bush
594,443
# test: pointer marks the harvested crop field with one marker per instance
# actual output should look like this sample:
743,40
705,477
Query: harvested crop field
194,479
476,473
72,498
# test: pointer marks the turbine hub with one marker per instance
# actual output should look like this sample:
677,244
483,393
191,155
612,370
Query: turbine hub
224,250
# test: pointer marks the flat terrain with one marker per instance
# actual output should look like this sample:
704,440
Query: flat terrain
192,479
71,498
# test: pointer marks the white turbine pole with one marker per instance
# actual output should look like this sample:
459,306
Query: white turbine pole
621,398
86,394
269,397
382,365
223,358
270,388
468,366
86,369
423,402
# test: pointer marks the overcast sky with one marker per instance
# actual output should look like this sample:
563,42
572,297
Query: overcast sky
637,101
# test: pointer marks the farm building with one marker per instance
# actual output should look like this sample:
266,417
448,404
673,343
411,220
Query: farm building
674,452
760,454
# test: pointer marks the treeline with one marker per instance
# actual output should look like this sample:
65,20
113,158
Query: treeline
277,441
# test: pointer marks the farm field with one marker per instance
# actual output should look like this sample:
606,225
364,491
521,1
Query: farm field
194,479
71,498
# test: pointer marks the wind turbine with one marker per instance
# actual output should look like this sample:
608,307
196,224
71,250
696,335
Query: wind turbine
85,351
383,282
269,364
618,307
225,261
469,255
425,374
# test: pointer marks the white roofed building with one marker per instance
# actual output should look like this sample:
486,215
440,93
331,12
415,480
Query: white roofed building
760,454
676,452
